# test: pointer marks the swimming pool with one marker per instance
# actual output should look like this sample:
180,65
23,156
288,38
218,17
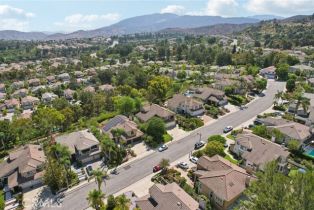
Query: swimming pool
309,150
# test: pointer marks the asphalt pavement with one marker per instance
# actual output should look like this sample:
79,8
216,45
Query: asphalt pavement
141,168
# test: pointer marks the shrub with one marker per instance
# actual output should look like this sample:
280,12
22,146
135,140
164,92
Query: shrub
218,138
189,124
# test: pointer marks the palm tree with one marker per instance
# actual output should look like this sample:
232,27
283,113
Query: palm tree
99,177
304,102
278,96
164,164
95,199
122,202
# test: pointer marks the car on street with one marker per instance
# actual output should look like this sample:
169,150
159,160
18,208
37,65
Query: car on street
228,129
156,168
162,148
89,170
183,165
199,144
193,159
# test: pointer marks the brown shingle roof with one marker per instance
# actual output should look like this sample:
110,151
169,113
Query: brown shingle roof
151,110
225,179
261,150
79,140
167,197
26,158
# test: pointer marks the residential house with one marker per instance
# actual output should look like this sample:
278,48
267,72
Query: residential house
51,79
131,132
65,77
221,181
185,105
21,93
48,97
89,89
29,102
310,81
149,111
33,82
2,88
68,94
78,74
298,110
106,88
2,96
308,70
17,85
83,145
167,197
290,129
23,168
269,72
211,96
256,152
12,105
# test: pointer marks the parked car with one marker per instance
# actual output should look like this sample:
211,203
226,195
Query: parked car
89,170
183,165
162,148
199,144
156,168
193,159
228,129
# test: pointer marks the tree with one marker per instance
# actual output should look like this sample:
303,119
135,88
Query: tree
273,190
261,130
218,138
156,128
111,202
301,101
278,96
99,177
293,145
2,202
122,202
214,148
125,105
282,72
223,59
164,164
158,88
47,119
260,84
95,199
290,85
181,75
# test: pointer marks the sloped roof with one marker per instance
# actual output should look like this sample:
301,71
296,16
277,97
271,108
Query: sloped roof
167,197
224,178
80,140
151,110
261,150
24,159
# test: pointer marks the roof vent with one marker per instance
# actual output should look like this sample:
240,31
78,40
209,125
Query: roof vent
179,204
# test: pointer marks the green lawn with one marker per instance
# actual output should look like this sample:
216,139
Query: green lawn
228,157
229,136
167,137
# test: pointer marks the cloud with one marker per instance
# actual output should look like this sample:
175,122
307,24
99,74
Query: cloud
8,11
175,9
280,7
79,21
12,18
225,8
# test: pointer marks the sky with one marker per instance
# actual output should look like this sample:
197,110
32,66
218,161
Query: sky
71,15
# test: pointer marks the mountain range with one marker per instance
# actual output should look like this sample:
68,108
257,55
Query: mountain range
140,24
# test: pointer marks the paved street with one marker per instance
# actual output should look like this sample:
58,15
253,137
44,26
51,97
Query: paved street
140,168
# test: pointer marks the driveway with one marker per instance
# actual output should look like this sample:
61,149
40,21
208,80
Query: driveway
137,170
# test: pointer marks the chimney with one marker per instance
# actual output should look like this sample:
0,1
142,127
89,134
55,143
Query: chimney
247,181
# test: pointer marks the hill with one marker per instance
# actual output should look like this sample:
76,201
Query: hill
144,23
219,29
284,34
